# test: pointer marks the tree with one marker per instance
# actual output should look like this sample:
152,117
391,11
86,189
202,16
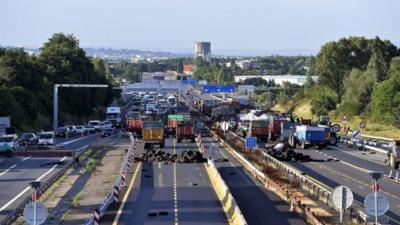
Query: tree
386,96
180,66
323,100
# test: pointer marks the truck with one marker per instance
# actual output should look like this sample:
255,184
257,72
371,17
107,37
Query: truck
259,129
185,130
316,136
153,133
223,113
134,124
113,115
173,120
393,155
275,127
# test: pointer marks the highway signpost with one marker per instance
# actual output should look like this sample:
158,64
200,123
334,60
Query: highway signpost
336,128
35,213
224,126
251,142
376,204
342,198
362,125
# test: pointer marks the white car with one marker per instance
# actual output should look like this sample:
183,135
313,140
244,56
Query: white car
46,138
90,129
9,140
80,129
95,124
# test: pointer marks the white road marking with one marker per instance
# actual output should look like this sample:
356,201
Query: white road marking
26,158
27,188
358,156
81,148
72,141
12,167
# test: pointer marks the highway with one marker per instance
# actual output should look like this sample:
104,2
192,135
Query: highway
257,205
17,172
351,170
173,193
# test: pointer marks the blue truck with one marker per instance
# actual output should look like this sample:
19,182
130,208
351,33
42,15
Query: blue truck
312,136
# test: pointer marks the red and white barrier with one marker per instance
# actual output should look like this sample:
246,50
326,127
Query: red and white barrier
96,217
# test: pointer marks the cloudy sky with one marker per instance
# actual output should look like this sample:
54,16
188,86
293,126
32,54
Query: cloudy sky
175,24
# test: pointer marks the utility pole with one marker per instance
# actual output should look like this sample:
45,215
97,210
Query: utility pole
55,96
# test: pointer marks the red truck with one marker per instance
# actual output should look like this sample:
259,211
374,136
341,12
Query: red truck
185,130
260,129
135,126
171,127
275,127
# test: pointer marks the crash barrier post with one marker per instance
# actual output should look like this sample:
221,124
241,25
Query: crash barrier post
96,217
317,189
113,195
231,208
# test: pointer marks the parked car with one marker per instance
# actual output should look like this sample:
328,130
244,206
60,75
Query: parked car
107,132
80,130
90,129
28,139
63,132
46,138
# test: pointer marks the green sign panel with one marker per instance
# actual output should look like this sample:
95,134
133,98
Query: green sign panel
175,117
178,117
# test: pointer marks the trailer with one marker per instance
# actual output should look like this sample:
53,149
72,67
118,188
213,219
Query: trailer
312,136
185,130
153,133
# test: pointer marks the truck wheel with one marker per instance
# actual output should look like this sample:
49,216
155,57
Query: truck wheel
333,140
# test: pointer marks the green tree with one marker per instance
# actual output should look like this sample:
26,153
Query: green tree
180,66
386,96
323,100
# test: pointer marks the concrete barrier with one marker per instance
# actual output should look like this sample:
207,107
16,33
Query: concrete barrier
231,209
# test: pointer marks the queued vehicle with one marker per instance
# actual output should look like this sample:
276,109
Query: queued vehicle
8,143
153,133
72,129
185,130
64,132
105,124
80,130
90,129
46,138
28,139
107,132
95,124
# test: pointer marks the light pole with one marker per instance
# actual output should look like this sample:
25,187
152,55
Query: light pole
55,96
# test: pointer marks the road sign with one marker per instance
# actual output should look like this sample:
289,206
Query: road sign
175,117
336,128
342,197
251,142
356,134
363,125
378,206
224,126
41,213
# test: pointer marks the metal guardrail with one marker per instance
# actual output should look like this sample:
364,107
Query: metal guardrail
317,189
44,186
377,146
109,198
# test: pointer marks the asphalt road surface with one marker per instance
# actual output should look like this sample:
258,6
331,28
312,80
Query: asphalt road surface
16,173
173,193
355,176
257,205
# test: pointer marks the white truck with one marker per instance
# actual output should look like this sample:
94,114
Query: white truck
113,115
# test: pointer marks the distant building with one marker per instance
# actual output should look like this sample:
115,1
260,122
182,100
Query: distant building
243,64
278,79
203,50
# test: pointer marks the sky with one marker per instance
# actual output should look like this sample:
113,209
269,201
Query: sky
174,25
